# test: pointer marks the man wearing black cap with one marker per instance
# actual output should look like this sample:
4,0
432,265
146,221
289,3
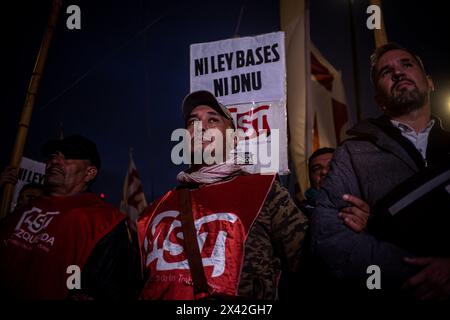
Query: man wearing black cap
72,166
68,229
223,232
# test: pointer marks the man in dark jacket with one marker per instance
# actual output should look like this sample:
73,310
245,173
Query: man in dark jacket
385,153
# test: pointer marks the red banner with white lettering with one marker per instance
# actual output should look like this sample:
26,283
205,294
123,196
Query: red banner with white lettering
223,217
38,244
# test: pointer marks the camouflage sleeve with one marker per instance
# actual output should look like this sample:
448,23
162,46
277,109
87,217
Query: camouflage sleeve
274,243
289,226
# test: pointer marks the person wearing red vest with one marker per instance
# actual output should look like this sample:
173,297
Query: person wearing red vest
68,243
222,232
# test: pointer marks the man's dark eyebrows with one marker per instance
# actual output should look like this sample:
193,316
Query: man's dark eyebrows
407,60
191,117
213,113
382,69
401,60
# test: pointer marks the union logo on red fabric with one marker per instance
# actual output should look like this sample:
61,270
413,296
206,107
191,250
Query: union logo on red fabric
219,236
35,220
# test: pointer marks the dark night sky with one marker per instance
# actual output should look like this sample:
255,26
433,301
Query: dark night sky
421,26
132,80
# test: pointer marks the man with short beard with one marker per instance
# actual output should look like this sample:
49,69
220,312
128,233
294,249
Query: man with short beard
386,157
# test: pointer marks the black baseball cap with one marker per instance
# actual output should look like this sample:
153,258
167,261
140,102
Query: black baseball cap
74,147
203,97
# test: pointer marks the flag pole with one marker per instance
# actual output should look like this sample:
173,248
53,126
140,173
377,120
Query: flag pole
125,185
355,62
61,131
27,108
379,34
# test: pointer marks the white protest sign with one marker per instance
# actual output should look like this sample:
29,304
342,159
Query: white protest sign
241,70
248,76
30,171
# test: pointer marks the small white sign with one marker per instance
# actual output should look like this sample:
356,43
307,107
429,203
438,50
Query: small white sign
30,171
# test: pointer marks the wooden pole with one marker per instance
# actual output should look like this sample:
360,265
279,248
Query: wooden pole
27,109
379,34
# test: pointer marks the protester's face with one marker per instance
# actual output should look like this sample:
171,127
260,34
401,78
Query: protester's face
319,168
401,84
67,176
209,119
27,196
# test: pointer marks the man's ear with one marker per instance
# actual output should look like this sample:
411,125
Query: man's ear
91,173
430,83
379,102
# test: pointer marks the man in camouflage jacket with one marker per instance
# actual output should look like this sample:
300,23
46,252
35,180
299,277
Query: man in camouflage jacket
261,228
